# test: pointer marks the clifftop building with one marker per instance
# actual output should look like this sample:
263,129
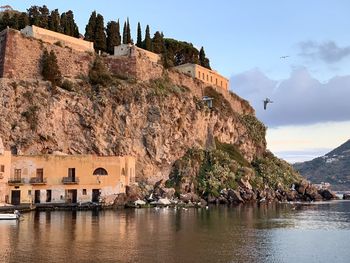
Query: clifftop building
210,77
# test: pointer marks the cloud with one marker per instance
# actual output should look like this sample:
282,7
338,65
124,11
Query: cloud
298,100
328,52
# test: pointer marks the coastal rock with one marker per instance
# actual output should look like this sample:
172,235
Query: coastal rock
346,196
327,194
120,200
134,192
234,196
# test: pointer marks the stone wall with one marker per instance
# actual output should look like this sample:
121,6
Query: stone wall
54,37
136,66
21,56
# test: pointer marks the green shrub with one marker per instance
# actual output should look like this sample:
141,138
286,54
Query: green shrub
31,116
67,85
50,70
99,74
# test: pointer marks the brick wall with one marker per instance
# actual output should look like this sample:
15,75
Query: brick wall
22,56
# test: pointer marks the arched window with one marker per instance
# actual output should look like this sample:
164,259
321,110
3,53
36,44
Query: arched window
100,172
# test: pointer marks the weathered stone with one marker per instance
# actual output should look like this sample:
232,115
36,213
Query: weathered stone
234,196
327,194
346,196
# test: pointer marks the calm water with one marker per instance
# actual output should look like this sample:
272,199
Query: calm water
269,233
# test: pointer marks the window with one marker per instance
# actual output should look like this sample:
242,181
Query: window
29,192
203,76
207,77
199,74
221,84
17,174
40,173
211,78
84,191
100,171
216,81
71,172
2,168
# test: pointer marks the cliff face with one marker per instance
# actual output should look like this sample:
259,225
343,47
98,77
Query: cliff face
155,121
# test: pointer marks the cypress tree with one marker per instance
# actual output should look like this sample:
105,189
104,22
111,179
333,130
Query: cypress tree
90,28
50,70
158,43
34,15
5,21
100,36
54,20
203,61
68,25
139,35
148,40
128,32
113,36
14,21
23,20
125,34
44,17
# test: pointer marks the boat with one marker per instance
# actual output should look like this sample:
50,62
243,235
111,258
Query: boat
14,216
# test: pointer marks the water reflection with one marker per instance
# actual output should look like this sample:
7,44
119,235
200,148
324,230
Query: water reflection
264,233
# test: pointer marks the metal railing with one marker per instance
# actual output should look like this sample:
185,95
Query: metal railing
70,180
37,180
16,181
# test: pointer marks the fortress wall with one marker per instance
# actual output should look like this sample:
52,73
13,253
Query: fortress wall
22,58
54,37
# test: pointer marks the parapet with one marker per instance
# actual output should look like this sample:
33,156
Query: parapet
54,37
130,50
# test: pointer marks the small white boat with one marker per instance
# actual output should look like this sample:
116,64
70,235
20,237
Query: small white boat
13,216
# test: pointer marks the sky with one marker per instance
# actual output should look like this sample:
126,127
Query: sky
245,40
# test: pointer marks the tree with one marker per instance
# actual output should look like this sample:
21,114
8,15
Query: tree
34,15
128,32
113,36
203,61
68,25
148,40
100,36
90,28
125,33
158,43
23,20
44,17
5,20
139,35
14,21
54,22
50,70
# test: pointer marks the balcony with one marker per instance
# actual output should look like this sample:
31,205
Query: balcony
70,180
16,181
37,181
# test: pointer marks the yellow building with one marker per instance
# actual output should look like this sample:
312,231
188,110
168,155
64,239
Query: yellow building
210,77
64,178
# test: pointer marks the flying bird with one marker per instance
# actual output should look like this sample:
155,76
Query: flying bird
284,57
267,101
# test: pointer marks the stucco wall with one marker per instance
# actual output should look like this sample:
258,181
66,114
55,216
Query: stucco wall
121,171
53,37
208,76
132,50
5,161
22,58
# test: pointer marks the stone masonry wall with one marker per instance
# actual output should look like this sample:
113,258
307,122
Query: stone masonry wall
22,56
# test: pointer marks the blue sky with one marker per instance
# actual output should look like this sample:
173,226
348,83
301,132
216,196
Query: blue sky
244,41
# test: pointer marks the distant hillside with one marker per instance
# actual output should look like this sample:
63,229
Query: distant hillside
333,168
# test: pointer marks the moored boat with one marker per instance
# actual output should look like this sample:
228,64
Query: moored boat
13,216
